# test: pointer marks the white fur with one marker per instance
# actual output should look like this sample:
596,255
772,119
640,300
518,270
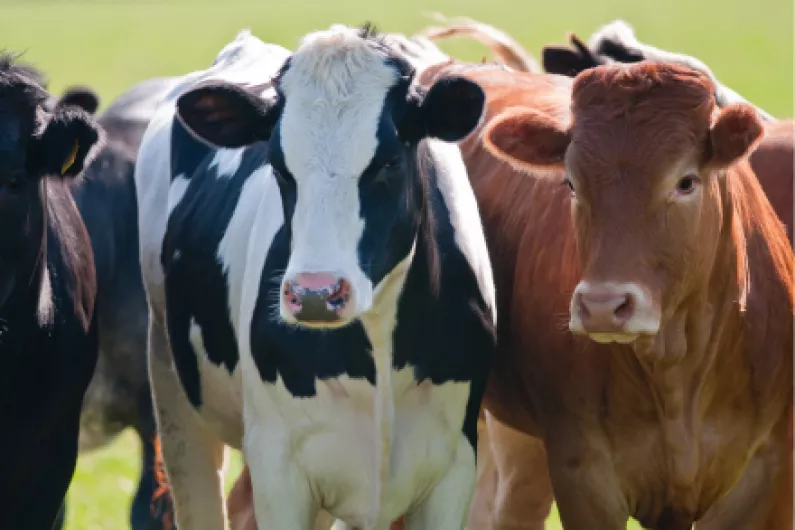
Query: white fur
176,191
328,129
464,215
226,162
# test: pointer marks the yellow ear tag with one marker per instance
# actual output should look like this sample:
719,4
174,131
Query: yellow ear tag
71,159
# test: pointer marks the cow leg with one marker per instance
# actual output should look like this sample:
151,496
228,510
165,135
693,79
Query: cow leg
762,499
447,506
583,481
514,491
148,513
60,519
281,489
192,456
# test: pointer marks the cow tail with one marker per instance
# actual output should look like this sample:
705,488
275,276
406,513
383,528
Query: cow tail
161,505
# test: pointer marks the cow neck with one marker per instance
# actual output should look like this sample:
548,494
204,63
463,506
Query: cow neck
701,341
27,304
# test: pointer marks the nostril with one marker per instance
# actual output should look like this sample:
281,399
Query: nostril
583,308
339,296
624,311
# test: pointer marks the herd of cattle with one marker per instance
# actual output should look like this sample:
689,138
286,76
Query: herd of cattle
329,258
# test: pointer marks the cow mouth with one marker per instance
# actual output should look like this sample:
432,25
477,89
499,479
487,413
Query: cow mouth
617,338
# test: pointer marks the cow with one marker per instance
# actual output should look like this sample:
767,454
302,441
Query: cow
669,408
48,337
118,395
319,286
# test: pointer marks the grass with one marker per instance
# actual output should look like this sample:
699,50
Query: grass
112,44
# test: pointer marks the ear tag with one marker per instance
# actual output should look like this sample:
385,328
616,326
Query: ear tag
70,159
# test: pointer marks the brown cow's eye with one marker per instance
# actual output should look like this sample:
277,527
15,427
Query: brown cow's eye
569,184
686,185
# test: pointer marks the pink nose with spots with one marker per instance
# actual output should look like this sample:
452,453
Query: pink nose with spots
318,297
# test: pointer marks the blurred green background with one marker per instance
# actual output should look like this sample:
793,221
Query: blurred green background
112,44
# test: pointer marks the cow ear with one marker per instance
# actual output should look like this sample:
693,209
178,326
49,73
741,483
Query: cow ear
527,139
568,61
451,108
734,134
83,97
227,115
67,145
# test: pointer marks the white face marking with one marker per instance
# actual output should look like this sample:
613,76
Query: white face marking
334,94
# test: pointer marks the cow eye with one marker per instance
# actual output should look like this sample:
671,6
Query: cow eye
13,184
568,183
686,184
392,164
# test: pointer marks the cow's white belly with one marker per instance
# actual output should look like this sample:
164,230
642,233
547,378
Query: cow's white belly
222,403
334,441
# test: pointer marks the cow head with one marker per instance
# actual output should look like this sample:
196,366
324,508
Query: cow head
645,159
343,134
35,144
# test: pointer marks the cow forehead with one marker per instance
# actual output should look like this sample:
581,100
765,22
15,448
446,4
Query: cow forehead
334,89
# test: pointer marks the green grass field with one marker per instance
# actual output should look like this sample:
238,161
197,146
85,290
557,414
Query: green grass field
112,44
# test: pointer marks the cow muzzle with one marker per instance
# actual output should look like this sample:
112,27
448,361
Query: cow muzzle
317,299
613,312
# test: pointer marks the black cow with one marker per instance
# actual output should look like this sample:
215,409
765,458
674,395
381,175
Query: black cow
48,332
119,395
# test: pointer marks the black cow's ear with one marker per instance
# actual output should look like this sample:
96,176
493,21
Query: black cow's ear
569,61
450,110
227,115
83,97
67,145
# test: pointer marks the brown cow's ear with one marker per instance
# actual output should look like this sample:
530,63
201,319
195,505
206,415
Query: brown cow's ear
734,134
527,139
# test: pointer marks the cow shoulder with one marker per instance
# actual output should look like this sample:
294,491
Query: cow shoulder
446,315
198,297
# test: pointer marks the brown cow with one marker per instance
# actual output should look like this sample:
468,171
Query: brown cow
675,251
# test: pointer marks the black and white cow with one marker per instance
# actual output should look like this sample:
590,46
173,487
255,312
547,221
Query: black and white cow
320,291
48,339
